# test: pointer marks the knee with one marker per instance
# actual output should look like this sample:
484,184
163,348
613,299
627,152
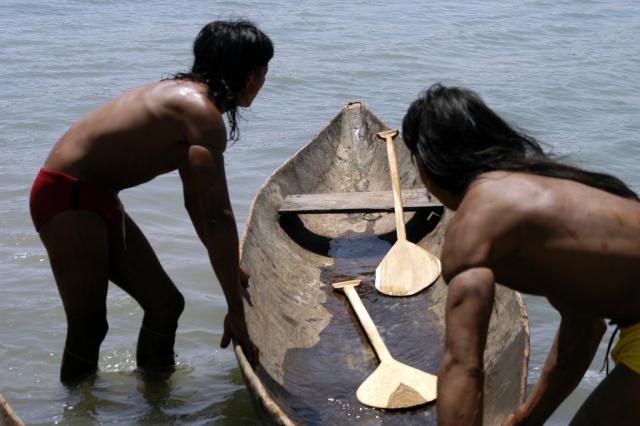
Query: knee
167,308
89,328
102,328
173,305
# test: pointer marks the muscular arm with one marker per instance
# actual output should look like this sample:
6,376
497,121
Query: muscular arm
571,354
207,202
461,375
206,198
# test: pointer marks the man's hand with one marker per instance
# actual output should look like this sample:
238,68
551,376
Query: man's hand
235,326
572,351
516,418
244,278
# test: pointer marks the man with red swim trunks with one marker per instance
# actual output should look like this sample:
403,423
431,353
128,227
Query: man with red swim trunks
153,129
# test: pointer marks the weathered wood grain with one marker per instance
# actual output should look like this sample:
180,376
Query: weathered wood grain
354,202
313,353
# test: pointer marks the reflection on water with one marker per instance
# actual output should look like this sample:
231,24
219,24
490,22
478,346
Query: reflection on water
152,399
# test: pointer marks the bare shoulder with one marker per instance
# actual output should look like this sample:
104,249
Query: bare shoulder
491,215
200,118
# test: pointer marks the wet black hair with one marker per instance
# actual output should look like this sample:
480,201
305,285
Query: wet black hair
225,54
456,137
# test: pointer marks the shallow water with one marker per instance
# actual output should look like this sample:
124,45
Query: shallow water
567,72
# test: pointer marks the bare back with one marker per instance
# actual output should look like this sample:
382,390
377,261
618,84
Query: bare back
137,136
572,243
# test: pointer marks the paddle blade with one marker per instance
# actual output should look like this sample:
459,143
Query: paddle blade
391,133
397,385
406,269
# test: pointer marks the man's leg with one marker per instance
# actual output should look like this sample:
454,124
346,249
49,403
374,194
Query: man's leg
77,244
137,271
614,402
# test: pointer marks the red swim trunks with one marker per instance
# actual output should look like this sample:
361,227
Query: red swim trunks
54,191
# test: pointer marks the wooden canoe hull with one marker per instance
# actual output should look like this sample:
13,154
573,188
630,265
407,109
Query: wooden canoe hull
313,353
7,416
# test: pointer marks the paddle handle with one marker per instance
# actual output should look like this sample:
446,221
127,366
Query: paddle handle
395,185
367,324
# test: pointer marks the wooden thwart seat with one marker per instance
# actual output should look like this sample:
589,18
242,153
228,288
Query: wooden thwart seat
356,202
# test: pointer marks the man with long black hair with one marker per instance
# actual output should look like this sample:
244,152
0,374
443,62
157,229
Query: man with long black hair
537,226
173,124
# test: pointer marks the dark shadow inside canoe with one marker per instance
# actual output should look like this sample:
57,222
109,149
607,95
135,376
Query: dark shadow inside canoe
419,226
320,381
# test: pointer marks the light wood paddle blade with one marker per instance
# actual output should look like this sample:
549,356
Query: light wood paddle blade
393,384
407,268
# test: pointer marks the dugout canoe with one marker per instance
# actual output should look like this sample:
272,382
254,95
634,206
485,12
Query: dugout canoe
7,416
313,353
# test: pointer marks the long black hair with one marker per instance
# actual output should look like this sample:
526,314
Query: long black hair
456,137
225,53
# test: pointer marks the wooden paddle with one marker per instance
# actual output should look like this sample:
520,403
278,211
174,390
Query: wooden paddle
393,384
407,268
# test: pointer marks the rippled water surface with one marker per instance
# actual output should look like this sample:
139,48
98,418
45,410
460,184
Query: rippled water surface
565,71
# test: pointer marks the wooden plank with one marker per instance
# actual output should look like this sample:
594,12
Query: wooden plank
353,202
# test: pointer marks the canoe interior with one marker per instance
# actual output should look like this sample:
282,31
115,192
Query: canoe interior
313,353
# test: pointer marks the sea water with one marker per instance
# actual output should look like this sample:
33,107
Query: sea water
566,72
